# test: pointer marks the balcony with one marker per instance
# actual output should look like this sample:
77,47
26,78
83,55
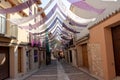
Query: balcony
10,30
14,31
2,25
71,42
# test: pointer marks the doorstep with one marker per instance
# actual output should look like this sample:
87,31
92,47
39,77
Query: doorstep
87,72
23,76
117,78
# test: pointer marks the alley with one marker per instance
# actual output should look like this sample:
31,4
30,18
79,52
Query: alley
85,33
59,71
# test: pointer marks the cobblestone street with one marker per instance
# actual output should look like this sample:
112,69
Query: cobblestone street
60,71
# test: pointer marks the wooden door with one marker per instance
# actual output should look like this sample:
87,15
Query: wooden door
116,46
4,63
70,52
85,56
19,60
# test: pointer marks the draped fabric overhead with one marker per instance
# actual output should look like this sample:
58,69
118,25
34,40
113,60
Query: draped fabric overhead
36,25
58,28
84,5
52,25
59,14
49,16
19,7
30,2
62,37
60,33
73,1
26,19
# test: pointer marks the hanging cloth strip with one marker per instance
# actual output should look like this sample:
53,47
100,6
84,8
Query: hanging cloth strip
17,8
73,1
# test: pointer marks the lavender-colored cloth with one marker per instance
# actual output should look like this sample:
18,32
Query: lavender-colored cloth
86,6
73,1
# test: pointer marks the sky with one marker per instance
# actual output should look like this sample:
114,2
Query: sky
44,2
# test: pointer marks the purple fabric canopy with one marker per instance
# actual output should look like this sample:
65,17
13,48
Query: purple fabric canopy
19,7
73,1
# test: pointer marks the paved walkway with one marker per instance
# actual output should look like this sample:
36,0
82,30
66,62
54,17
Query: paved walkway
60,71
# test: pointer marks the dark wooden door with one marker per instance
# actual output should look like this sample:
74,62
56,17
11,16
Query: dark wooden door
19,60
70,52
85,56
116,46
4,63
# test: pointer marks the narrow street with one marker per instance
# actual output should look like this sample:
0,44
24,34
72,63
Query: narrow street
60,71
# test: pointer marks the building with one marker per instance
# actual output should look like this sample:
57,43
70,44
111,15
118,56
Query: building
18,58
96,49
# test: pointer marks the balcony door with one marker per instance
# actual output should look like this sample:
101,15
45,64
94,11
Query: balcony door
4,63
2,24
19,60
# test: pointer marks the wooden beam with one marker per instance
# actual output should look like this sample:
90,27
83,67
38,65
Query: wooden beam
38,2
42,14
23,13
11,2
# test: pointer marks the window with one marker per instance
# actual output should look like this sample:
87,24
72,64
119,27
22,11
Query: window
35,56
2,24
35,13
